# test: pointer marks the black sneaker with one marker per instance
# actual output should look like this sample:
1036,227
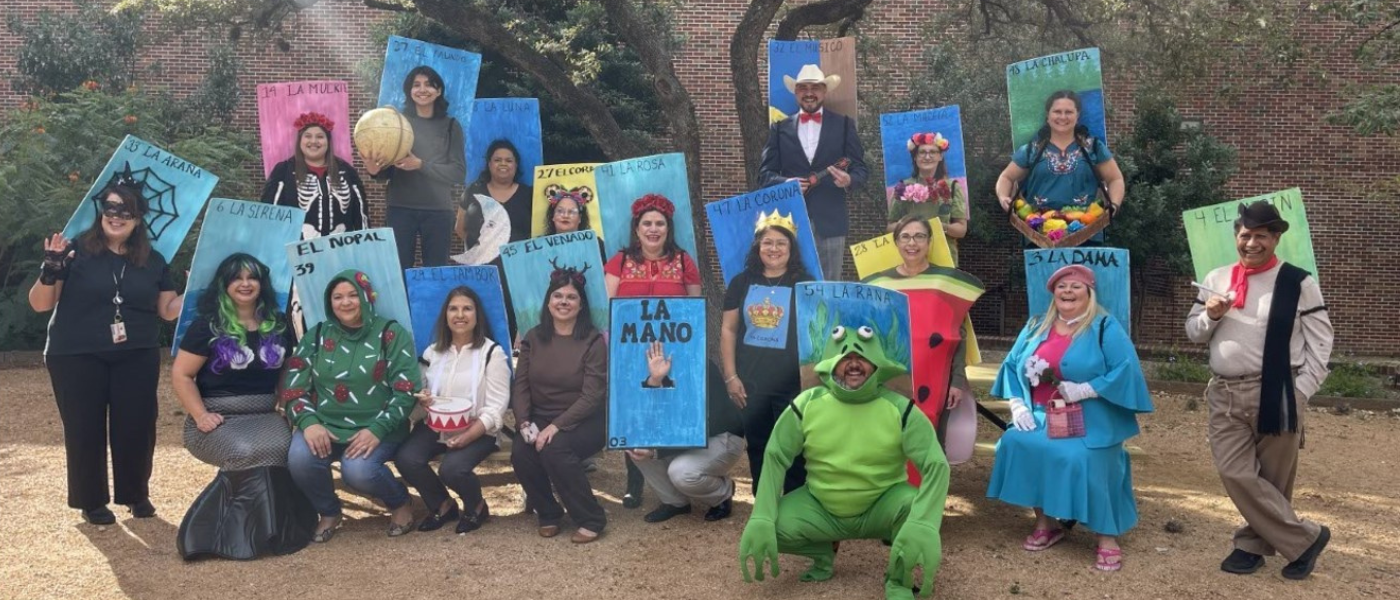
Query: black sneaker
665,512
1303,567
720,511
99,516
143,509
1240,562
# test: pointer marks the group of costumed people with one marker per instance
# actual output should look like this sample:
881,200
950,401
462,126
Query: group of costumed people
848,458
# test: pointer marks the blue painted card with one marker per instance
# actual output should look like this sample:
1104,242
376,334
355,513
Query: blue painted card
822,305
514,119
1112,277
664,417
766,316
732,223
427,294
175,190
316,261
623,182
458,68
529,263
1030,82
232,226
897,128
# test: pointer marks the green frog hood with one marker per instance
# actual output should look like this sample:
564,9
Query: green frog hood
862,342
363,287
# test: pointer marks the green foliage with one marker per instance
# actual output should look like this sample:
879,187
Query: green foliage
577,37
1179,368
1373,108
58,52
1353,380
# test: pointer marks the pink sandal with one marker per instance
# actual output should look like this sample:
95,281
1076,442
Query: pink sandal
1041,539
1104,554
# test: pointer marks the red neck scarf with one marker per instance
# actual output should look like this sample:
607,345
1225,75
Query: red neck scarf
1239,278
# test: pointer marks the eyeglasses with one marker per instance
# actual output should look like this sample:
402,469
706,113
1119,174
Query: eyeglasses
773,244
117,211
566,212
905,238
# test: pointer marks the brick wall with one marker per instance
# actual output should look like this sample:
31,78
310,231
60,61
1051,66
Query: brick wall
1279,131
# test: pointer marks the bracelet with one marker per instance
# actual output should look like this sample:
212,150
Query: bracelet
731,378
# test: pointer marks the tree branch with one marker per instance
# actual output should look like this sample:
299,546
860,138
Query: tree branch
485,28
389,6
823,12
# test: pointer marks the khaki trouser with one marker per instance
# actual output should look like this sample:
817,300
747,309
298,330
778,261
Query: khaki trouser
1257,470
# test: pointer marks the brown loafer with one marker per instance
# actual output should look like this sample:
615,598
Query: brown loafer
580,537
549,531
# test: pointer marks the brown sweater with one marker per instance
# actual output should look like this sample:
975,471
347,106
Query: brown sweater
560,381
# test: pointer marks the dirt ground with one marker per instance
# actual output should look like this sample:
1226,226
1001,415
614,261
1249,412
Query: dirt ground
1347,480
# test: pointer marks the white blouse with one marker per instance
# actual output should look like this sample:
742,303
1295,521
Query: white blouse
482,374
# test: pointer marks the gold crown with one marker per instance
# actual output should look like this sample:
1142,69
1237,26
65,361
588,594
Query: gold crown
775,220
766,315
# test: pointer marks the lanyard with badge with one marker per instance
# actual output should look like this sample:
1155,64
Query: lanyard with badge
118,325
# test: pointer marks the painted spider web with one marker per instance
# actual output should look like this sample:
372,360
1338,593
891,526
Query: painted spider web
161,209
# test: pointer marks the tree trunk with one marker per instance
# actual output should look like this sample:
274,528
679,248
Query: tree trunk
483,28
748,92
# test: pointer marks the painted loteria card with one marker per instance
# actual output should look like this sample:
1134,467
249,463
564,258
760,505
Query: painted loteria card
281,104
515,120
531,265
824,305
1030,82
672,414
1112,278
428,288
1210,233
732,223
836,57
623,182
315,262
575,181
458,69
943,127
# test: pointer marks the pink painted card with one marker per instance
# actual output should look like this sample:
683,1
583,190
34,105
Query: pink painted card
279,105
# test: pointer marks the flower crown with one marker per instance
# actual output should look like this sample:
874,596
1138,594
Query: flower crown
655,202
927,139
313,118
775,220
581,194
572,275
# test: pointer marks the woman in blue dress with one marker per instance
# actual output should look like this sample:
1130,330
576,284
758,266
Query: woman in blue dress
1081,354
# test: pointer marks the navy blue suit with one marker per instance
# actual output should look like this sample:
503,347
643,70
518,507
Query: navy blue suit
783,158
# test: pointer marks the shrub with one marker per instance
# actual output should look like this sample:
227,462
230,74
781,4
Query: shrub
1177,368
1352,380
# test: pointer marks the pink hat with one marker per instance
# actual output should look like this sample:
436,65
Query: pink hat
1079,273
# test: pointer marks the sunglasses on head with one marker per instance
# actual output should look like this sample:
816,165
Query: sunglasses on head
117,210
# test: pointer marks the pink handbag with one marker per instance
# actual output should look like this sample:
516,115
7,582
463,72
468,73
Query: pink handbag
1064,420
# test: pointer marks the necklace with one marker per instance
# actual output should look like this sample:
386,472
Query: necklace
1071,321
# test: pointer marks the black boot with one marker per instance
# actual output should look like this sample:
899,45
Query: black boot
635,484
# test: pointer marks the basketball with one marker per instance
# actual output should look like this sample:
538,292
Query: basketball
384,133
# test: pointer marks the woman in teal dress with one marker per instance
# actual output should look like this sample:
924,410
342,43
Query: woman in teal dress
1081,354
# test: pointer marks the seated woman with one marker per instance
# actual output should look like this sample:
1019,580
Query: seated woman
560,391
225,376
1088,478
701,475
349,389
469,375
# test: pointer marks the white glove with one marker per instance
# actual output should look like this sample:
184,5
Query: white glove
1076,392
1021,417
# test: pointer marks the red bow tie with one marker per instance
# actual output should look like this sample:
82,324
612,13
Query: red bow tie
806,116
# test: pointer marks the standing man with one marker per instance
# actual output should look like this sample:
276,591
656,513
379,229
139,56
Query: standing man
807,148
1270,341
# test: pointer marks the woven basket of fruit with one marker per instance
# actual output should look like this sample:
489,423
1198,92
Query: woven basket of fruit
1051,228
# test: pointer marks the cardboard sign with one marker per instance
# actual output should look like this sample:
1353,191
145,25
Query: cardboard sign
665,417
822,305
513,119
232,226
316,262
528,264
835,57
623,182
427,295
576,177
279,106
897,128
175,190
1112,278
1030,82
732,223
459,70
1210,233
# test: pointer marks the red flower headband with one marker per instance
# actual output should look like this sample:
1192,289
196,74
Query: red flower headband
927,139
363,281
655,202
581,194
313,118
570,275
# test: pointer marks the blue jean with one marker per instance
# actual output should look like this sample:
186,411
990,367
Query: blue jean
434,227
831,254
368,475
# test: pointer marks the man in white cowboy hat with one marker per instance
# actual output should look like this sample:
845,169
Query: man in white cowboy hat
806,147
1270,341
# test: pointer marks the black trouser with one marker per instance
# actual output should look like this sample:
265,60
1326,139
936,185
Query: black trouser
457,470
760,414
105,391
560,465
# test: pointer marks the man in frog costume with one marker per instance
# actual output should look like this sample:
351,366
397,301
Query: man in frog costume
856,437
